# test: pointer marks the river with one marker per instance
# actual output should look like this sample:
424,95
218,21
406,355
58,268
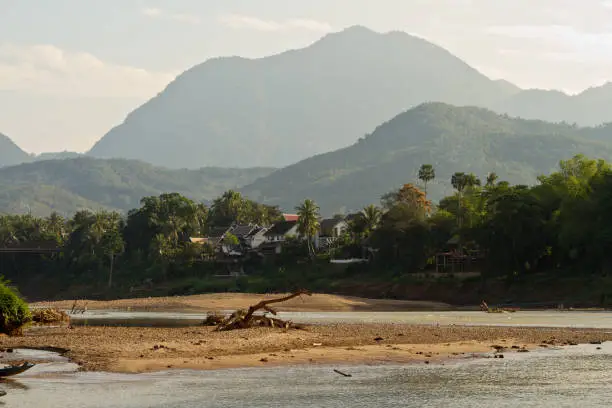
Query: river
567,377
572,377
552,318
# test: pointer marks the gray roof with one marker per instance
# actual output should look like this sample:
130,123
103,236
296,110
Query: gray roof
281,228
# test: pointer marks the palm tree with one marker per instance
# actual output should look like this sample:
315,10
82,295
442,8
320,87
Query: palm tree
308,222
371,216
427,173
491,179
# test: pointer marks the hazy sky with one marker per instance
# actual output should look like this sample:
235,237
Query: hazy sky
72,69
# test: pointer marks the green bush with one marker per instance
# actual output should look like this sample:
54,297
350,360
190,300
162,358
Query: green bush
14,311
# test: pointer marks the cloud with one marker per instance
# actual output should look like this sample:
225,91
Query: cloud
46,69
238,21
562,41
166,15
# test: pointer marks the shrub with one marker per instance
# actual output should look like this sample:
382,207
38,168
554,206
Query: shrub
14,311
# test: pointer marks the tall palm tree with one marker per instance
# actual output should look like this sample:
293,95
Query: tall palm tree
491,179
427,173
371,216
308,222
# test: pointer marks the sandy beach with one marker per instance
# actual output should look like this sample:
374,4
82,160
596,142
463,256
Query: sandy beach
133,349
232,301
145,349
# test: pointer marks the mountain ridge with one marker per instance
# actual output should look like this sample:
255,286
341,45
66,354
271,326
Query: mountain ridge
453,139
279,109
10,152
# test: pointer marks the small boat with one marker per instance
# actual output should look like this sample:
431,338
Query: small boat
15,369
2,393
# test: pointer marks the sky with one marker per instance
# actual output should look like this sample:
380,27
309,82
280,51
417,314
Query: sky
70,70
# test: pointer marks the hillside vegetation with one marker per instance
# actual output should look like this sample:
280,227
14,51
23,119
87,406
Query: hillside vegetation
85,183
451,138
277,110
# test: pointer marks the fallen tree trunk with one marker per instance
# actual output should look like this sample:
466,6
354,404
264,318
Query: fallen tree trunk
242,319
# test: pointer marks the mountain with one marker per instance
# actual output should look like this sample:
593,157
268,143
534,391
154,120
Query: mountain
466,139
57,155
10,153
277,110
68,185
589,108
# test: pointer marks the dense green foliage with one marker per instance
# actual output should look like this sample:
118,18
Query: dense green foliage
560,227
69,185
476,140
99,248
14,312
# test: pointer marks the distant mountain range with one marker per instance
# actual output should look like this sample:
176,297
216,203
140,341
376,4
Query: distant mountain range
465,139
10,153
68,185
277,110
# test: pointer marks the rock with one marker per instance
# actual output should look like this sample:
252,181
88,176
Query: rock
523,350
595,342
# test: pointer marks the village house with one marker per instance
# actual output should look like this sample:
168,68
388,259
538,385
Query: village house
329,232
278,234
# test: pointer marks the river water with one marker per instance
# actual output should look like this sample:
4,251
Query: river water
552,318
569,377
578,376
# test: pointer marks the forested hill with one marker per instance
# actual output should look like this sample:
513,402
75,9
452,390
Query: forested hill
10,153
453,139
276,110
280,109
71,184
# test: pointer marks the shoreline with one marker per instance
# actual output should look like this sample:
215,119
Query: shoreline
218,302
141,350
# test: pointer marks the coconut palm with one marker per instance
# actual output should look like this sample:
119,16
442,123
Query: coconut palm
308,222
427,173
371,217
491,179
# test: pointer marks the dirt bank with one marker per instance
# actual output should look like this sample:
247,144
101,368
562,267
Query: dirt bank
124,349
232,301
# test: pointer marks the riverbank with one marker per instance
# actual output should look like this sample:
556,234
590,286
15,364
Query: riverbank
135,350
232,301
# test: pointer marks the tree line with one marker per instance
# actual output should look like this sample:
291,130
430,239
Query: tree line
561,224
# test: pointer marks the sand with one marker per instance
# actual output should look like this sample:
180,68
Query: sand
135,350
232,301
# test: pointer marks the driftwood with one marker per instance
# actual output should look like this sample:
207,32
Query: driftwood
242,319
75,309
342,374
